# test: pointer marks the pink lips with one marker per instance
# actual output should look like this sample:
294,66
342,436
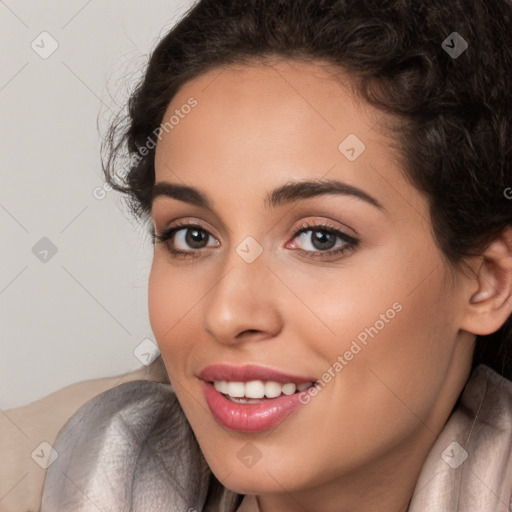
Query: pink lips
253,417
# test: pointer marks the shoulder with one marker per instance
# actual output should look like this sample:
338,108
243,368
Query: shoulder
26,432
470,465
129,445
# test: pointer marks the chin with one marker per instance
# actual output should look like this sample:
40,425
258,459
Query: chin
249,482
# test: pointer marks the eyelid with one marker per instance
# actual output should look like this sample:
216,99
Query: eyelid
184,223
161,214
325,224
321,223
349,241
170,231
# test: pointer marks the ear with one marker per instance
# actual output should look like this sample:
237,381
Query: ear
490,298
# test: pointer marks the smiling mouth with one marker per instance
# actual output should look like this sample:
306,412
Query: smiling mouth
252,398
255,391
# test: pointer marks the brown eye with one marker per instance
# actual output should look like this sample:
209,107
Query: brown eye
186,239
193,237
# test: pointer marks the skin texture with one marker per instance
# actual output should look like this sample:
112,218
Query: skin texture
361,442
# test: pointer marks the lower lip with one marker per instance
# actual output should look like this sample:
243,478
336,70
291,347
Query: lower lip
249,417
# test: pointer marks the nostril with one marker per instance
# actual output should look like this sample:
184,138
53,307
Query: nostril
250,333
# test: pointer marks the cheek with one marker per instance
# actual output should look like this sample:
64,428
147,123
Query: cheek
395,336
170,302
400,370
161,305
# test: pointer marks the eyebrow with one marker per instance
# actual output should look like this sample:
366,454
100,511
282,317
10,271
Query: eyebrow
287,193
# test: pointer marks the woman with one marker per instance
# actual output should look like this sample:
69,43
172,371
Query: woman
328,187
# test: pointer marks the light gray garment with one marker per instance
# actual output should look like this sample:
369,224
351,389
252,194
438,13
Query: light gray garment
482,426
131,449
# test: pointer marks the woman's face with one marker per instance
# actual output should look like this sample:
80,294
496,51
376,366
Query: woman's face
308,258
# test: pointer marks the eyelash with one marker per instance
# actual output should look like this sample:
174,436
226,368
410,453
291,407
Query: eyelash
350,242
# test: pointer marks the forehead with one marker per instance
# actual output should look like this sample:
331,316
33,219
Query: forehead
256,126
282,105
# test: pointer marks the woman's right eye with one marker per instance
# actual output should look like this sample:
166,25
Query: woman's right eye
186,240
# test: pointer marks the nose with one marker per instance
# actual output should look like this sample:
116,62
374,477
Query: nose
243,304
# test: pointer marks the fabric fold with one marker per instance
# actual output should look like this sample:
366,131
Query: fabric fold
131,449
128,449
469,467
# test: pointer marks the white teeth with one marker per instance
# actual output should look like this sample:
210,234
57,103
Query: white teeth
289,389
221,386
272,389
236,389
257,389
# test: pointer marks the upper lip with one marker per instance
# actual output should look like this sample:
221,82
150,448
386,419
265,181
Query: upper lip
247,373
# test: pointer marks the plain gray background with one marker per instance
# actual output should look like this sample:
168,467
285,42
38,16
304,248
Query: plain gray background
79,313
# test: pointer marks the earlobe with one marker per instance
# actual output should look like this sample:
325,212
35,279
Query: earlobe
490,304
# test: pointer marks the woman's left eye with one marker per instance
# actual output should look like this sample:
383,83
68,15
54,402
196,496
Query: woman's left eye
319,241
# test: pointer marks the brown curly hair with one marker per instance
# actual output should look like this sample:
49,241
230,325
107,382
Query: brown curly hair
454,113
